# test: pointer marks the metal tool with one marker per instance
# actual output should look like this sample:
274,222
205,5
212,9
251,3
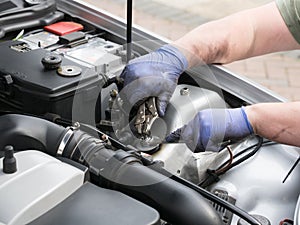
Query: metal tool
145,117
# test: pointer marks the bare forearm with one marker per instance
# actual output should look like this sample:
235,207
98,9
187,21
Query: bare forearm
246,34
279,122
249,33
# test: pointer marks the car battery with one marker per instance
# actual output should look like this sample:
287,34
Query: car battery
72,90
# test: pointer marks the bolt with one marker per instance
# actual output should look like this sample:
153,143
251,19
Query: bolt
76,125
113,93
184,91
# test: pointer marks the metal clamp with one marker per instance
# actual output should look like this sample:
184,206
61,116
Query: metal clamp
66,138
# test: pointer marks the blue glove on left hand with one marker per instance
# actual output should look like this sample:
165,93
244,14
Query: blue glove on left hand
154,75
211,127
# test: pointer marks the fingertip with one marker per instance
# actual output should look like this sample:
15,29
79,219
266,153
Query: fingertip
171,138
174,136
161,112
161,105
123,74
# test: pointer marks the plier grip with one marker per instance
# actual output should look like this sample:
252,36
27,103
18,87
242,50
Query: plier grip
146,115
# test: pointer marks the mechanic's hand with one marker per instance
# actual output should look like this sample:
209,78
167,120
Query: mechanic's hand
155,74
211,127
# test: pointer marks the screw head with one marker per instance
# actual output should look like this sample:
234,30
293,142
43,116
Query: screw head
185,91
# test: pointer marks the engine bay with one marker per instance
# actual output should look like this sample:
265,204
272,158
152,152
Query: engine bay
72,152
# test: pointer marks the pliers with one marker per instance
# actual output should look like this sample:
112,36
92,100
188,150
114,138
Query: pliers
146,115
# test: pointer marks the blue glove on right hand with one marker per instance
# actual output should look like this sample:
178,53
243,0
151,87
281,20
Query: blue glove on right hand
154,75
211,127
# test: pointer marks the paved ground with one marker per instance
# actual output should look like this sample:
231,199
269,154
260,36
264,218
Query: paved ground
278,72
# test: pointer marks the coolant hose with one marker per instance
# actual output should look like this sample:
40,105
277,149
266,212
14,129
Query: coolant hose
118,170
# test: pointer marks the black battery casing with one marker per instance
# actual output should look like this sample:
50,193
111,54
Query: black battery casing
26,86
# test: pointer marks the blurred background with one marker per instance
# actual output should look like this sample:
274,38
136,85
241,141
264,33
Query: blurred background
279,72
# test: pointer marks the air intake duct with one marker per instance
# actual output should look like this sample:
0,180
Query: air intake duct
118,170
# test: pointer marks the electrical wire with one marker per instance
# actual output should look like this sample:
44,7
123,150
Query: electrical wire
213,175
291,170
286,222
238,154
208,195
229,162
246,157
257,147
32,32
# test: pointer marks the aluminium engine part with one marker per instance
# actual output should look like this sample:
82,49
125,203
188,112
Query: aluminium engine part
297,213
153,129
186,101
183,107
257,183
253,178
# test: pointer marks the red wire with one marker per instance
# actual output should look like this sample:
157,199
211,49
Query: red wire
286,221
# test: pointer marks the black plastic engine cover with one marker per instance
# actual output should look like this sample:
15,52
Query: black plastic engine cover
26,86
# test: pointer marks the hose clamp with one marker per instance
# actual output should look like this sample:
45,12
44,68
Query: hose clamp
65,140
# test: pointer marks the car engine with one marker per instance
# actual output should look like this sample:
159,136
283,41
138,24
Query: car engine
72,151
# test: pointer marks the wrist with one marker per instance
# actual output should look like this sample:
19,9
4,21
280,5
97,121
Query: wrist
238,125
178,56
249,126
189,51
250,113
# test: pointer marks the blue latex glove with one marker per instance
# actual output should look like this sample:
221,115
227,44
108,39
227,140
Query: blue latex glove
211,127
155,74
